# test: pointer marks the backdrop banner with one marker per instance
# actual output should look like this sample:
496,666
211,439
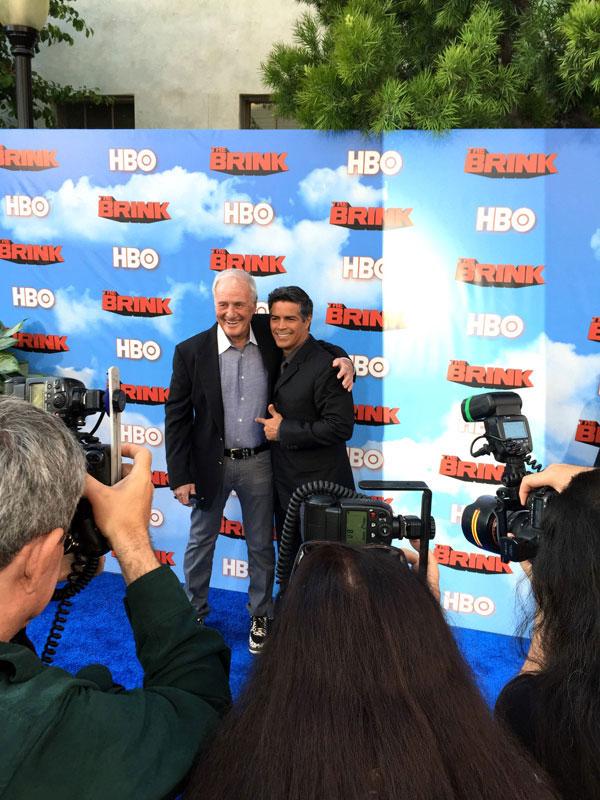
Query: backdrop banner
445,265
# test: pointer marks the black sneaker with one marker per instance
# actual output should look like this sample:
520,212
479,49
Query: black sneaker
259,631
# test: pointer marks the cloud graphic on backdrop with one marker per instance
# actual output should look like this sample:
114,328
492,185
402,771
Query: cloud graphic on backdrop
78,313
83,315
571,377
313,251
87,375
407,459
562,378
595,243
552,406
177,292
195,207
417,287
322,186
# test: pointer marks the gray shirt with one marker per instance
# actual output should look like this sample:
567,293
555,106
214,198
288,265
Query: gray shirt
244,388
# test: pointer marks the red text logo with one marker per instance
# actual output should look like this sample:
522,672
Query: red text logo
132,210
508,276
254,265
376,415
135,306
165,557
41,343
588,431
145,395
160,479
594,331
362,319
361,218
509,165
470,562
488,377
30,253
478,471
222,160
32,160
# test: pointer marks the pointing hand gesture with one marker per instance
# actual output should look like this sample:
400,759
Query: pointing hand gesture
271,425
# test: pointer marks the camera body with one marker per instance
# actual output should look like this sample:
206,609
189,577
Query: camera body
357,520
326,512
361,520
487,521
69,399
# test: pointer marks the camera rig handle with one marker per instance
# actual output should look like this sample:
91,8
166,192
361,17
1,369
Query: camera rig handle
411,486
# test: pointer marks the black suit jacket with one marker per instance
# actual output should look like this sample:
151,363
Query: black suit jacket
318,418
194,424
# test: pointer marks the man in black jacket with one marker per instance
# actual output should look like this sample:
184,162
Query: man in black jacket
311,417
222,381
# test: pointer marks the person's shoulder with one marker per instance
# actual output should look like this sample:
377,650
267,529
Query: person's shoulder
517,706
261,325
517,694
197,340
315,352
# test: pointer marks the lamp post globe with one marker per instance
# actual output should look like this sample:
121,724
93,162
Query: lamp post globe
22,20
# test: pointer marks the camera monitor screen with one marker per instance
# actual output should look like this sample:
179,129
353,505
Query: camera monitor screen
515,430
356,527
36,394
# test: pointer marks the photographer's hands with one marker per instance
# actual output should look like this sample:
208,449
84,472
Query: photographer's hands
433,570
122,512
557,476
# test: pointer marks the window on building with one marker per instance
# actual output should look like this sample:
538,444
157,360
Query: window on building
118,112
258,111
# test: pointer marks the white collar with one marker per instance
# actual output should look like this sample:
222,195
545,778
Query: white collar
223,342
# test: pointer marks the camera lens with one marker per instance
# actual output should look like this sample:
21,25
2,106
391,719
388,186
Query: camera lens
518,523
479,523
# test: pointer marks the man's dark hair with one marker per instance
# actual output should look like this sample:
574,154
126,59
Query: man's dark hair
292,294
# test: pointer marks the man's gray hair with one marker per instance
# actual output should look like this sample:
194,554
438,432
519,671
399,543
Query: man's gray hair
42,471
236,275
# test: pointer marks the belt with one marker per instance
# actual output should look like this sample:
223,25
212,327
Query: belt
246,452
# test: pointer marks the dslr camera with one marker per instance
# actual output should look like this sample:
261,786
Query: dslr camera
69,399
487,522
326,512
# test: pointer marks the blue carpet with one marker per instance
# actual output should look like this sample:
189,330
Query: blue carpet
97,631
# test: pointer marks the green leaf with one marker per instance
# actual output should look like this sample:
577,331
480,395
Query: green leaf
8,364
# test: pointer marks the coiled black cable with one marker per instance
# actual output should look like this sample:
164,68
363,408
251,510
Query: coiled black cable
285,559
83,570
533,463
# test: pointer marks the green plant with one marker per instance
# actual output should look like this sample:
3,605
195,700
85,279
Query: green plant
9,365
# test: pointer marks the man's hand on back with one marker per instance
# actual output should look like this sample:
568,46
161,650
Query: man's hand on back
346,372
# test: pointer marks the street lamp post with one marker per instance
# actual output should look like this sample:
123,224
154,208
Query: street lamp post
21,20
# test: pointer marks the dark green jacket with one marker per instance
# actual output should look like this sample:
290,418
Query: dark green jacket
82,737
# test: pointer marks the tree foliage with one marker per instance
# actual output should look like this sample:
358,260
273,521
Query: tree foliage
63,20
381,65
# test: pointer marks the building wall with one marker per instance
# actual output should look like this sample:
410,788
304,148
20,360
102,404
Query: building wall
186,63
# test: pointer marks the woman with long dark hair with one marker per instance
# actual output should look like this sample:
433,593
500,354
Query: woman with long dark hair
554,705
361,694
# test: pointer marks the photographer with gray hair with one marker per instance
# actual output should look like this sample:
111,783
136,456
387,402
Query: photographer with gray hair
81,735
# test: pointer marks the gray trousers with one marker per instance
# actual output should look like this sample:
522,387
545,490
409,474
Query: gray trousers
252,480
